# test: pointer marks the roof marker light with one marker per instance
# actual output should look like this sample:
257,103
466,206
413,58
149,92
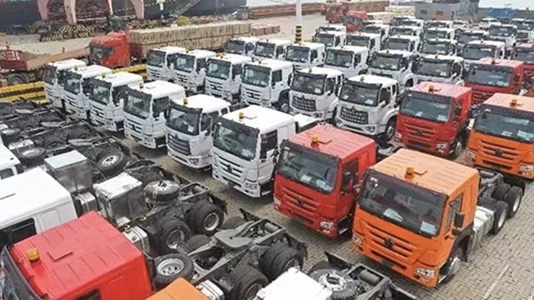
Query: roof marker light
431,88
513,102
141,85
32,254
186,101
315,139
241,115
410,171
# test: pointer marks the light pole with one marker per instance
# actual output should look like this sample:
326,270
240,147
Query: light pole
298,28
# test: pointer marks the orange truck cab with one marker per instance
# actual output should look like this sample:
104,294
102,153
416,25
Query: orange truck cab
525,53
180,289
489,76
421,215
112,50
502,137
317,177
434,118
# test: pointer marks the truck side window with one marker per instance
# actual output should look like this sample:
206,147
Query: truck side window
394,90
6,173
224,111
277,77
373,43
87,86
352,168
313,54
208,119
92,295
18,232
338,41
271,139
201,64
119,92
357,59
236,70
160,105
454,207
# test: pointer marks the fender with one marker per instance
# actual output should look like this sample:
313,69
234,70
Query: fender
407,78
333,105
390,114
460,82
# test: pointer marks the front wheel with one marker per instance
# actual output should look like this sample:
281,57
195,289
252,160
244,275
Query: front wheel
453,265
458,147
390,130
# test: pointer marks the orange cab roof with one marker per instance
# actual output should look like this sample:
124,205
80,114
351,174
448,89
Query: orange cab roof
500,62
506,100
73,255
332,141
442,89
180,289
431,172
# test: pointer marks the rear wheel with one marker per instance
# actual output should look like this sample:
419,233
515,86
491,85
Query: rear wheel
500,209
513,198
500,191
171,267
205,218
173,233
248,282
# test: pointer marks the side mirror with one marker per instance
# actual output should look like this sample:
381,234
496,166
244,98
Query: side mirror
459,219
116,101
263,151
155,114
208,131
345,181
166,113
517,78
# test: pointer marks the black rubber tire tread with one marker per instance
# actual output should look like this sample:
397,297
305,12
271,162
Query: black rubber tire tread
151,176
10,133
196,242
53,141
233,223
116,167
79,133
321,265
384,137
25,124
351,287
514,194
285,255
166,226
457,251
32,156
268,258
162,190
500,207
199,212
500,191
455,155
244,276
188,271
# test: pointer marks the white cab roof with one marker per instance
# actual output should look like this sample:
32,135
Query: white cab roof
234,58
491,43
262,118
309,45
366,34
121,78
354,49
414,28
205,102
374,79
474,31
92,71
272,63
201,53
448,30
332,27
443,57
406,37
321,71
247,39
160,88
396,52
68,64
29,193
294,285
334,33
277,42
171,49
7,158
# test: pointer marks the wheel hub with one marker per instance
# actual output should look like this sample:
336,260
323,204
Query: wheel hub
174,239
110,160
455,266
171,267
211,222
502,219
333,282
253,291
293,263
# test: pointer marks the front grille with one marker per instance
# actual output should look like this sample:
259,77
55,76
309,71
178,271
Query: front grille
303,104
180,145
133,126
419,133
301,206
354,116
252,95
499,151
182,79
392,248
230,167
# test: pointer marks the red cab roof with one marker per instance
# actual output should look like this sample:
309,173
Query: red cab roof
74,255
442,89
332,141
500,62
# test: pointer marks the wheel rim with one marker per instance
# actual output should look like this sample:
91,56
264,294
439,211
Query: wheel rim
293,263
174,239
110,160
163,186
171,267
284,108
252,291
502,219
458,148
390,131
333,281
211,222
517,201
31,151
454,267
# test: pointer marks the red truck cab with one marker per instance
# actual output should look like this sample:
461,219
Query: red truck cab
111,50
317,177
489,76
525,52
86,258
434,118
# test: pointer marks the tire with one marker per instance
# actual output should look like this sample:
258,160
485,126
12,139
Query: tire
15,79
79,133
458,148
501,214
53,141
196,242
248,282
343,287
112,163
454,264
32,156
151,176
233,223
268,258
321,265
283,104
173,233
500,191
162,190
9,134
333,119
171,267
287,258
205,218
390,130
513,198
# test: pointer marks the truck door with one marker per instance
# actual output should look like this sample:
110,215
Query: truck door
269,143
350,179
277,84
457,115
235,84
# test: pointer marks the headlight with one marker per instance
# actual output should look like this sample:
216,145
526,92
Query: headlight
318,115
250,186
356,240
326,225
470,154
526,168
398,135
425,272
442,146
370,128
277,201
193,161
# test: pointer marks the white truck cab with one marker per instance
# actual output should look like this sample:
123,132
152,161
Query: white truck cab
486,23
371,41
403,42
440,24
78,87
406,30
395,64
54,77
144,111
368,105
330,38
438,46
470,35
351,60
9,163
270,49
413,22
106,100
266,83
246,146
525,36
505,33
475,50
189,126
190,69
381,29
304,55
224,76
160,62
439,33
285,288
439,68
314,92
241,46
460,25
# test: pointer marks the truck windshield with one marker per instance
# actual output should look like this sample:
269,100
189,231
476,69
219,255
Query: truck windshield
307,167
235,138
264,49
15,286
522,35
409,206
73,82
256,75
476,52
155,58
234,47
137,103
401,31
372,29
435,48
185,62
326,39
466,37
308,83
297,54
219,69
183,119
385,62
339,58
506,123
49,74
433,67
491,76
436,34
427,109
358,40
397,44
438,25
101,91
524,55
360,93
503,31
408,22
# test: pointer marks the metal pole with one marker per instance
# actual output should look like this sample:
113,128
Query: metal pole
298,28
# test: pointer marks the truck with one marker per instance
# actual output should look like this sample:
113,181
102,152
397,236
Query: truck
317,176
380,29
406,30
500,137
490,75
270,49
421,226
144,109
351,60
77,88
106,100
395,64
224,76
371,41
189,124
241,46
525,36
413,22
467,36
439,24
54,77
440,68
368,105
315,92
505,33
486,23
438,46
246,146
403,43
190,70
476,50
330,38
439,33
304,55
460,26
160,62
434,118
266,83
525,53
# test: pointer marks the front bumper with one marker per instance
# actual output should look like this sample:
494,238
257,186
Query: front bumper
250,189
194,162
150,142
